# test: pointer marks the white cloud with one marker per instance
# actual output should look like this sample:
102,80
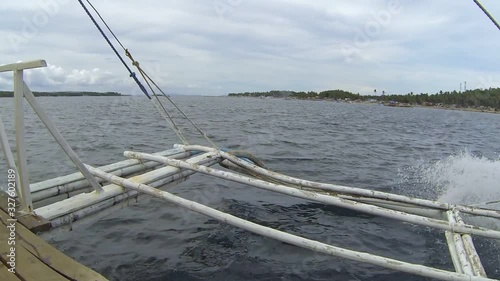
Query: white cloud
192,47
57,77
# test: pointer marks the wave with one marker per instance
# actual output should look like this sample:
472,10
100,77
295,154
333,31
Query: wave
465,179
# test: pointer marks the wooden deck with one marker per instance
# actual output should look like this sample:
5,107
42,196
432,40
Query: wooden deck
35,259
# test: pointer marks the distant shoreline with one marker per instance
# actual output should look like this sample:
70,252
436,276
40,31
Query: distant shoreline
476,100
444,107
460,109
5,94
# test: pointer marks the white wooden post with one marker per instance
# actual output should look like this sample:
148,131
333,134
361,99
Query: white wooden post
470,249
22,162
11,164
22,91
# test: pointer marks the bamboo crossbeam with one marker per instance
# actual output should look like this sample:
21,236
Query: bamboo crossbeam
23,65
73,204
465,265
286,237
102,208
453,251
326,199
398,206
76,181
35,187
470,249
345,189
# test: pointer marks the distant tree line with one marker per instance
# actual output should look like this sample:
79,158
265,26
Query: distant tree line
330,94
470,98
7,94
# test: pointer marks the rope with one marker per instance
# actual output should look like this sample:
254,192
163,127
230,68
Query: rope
200,131
158,104
147,77
487,14
107,26
132,74
247,155
170,119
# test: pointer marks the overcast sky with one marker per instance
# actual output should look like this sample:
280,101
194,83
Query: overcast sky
214,47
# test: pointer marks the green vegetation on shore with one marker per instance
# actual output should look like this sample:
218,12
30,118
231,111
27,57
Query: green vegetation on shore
478,98
7,94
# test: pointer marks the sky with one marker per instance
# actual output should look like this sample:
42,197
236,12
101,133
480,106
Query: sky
216,47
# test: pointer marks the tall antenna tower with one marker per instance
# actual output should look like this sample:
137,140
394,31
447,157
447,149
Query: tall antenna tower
465,86
460,87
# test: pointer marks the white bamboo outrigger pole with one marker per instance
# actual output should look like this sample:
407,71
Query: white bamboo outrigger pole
286,237
455,240
470,249
76,182
346,189
322,198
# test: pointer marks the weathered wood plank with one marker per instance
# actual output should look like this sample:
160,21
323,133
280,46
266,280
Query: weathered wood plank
35,256
28,266
6,275
33,222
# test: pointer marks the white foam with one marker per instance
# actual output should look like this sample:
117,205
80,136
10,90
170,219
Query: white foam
465,179
468,180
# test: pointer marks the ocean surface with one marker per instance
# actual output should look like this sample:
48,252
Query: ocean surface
431,153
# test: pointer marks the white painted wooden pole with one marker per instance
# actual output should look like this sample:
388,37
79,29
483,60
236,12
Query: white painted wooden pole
22,162
11,164
475,261
286,237
59,138
345,189
98,209
453,251
4,142
84,200
465,265
74,177
23,65
326,199
399,206
76,181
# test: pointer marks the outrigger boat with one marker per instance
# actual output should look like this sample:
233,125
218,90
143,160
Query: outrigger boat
94,191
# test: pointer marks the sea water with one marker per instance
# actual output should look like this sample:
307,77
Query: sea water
437,154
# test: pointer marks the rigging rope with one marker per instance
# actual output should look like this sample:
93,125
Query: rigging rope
107,26
147,77
132,74
158,104
487,14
